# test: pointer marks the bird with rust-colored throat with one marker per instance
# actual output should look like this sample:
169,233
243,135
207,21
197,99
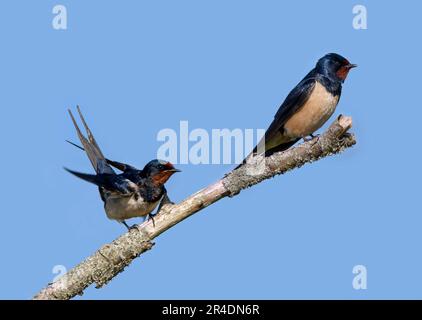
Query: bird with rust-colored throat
307,107
132,193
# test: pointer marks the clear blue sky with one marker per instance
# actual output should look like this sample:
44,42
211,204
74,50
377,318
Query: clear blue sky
136,67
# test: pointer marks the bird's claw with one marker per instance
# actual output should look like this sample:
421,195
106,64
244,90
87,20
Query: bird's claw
151,217
311,137
166,200
132,227
346,135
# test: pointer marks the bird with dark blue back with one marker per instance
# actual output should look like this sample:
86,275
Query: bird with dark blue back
307,107
132,193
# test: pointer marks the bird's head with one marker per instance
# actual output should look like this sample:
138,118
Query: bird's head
159,171
334,66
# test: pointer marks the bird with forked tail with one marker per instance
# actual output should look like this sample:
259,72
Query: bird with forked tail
307,107
132,193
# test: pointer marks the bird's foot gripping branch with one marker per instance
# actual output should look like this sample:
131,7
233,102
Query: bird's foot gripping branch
112,258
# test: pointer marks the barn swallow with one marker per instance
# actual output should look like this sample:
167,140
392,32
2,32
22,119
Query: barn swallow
307,107
132,193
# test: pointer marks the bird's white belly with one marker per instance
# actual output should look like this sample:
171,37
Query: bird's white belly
121,208
313,114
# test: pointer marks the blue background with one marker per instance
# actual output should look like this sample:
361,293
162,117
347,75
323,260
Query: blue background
136,67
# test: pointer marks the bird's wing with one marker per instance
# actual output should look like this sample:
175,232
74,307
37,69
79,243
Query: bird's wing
292,104
121,166
91,148
118,165
110,182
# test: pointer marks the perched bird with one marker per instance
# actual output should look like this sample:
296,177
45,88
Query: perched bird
307,107
132,193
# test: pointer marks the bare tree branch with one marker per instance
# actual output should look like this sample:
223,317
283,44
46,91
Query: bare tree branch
112,258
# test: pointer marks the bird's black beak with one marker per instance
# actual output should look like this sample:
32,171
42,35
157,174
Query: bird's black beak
174,170
351,65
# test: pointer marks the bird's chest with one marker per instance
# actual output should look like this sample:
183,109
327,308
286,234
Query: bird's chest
121,208
314,113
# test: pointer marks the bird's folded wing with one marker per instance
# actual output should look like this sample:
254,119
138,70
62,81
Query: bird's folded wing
121,166
110,182
292,104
